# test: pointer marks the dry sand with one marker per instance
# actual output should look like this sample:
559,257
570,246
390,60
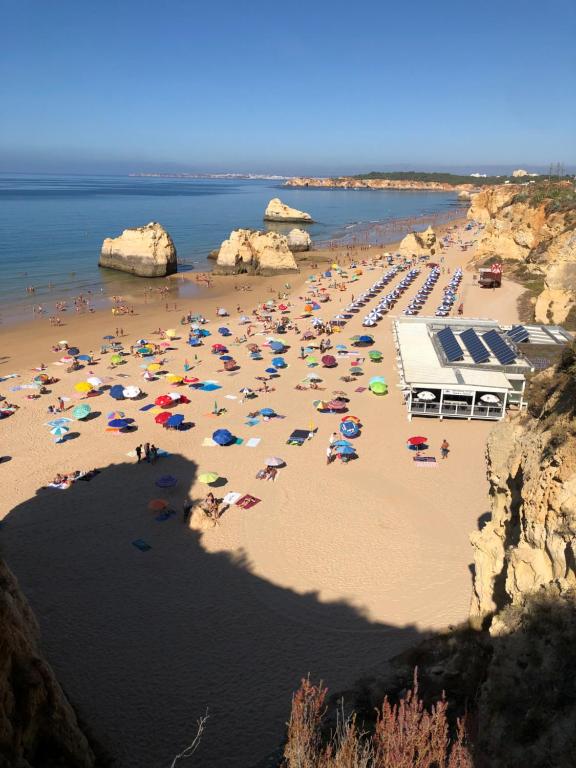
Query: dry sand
338,568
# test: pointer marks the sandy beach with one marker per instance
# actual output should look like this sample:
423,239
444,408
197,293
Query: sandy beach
336,569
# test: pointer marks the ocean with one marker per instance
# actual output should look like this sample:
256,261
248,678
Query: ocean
52,227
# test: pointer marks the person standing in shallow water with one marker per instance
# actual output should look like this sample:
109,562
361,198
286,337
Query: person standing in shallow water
445,448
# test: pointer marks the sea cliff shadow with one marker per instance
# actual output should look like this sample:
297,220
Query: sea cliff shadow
144,641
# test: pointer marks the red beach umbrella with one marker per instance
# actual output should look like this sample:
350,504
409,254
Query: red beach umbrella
162,418
163,401
417,440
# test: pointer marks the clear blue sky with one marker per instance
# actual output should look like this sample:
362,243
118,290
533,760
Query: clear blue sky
310,87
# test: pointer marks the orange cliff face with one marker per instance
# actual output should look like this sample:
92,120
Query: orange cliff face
347,182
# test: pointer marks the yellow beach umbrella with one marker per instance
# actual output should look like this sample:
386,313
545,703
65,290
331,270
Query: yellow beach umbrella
173,378
153,367
83,386
171,332
208,477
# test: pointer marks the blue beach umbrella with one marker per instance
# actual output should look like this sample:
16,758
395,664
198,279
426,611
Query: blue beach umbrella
279,362
345,450
225,358
175,420
116,392
73,351
276,346
119,423
267,412
86,358
271,370
166,481
342,443
223,437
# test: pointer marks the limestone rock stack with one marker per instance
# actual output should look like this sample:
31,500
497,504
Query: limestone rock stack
299,240
144,251
419,244
279,211
249,251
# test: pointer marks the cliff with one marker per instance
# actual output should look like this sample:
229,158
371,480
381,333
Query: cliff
249,251
38,727
279,211
349,182
299,240
534,226
144,251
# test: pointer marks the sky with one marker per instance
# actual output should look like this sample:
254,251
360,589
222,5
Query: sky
115,86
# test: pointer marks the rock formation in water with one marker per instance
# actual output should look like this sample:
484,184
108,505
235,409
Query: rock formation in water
144,251
419,244
249,251
534,225
299,240
279,211
38,727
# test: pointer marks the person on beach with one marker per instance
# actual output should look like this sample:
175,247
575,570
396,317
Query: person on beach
187,510
60,405
153,454
445,448
147,452
139,453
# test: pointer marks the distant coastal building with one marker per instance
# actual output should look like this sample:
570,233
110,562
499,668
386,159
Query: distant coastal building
470,368
520,173
479,175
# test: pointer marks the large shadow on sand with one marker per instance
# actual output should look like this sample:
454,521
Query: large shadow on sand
144,641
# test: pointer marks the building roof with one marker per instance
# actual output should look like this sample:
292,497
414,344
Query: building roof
423,367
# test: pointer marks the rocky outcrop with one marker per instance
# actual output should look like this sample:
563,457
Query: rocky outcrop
253,252
348,182
299,240
517,227
279,211
144,251
419,244
529,542
38,727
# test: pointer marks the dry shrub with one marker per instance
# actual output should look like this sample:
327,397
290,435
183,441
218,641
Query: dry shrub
406,735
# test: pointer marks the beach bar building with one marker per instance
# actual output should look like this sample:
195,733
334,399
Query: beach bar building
469,368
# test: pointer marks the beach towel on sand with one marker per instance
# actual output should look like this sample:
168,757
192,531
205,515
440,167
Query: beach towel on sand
248,501
298,437
252,422
425,461
147,407
253,442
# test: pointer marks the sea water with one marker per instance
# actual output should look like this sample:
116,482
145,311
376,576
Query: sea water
52,227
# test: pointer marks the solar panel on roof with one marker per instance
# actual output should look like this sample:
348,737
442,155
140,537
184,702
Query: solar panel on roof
518,334
474,345
449,343
498,346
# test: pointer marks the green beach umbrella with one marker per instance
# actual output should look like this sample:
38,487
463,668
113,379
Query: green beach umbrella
116,359
81,411
208,478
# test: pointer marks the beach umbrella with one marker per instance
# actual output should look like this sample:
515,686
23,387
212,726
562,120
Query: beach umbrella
244,319
171,332
488,398
275,461
230,365
163,401
166,481
328,361
84,358
270,370
246,391
375,355
194,342
145,351
279,362
153,367
337,405
173,378
119,423
341,443
73,351
115,415
116,392
345,450
312,377
108,337
81,411
83,386
162,418
223,437
208,478
223,330
349,428
267,412
417,440
116,359
378,388
157,505
311,360
276,346
426,396
95,381
225,358
175,420
320,405
175,397
131,391
59,431
41,378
